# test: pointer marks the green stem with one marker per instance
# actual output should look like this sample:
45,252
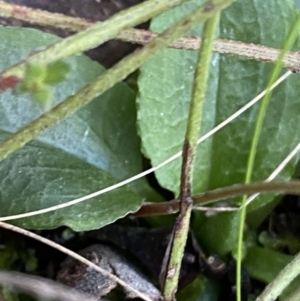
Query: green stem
107,79
284,278
258,127
94,35
188,158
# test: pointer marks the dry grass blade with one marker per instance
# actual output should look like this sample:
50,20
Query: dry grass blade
40,287
276,172
142,37
75,256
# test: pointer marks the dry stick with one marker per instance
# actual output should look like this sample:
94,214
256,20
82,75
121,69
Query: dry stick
44,18
213,196
94,35
55,20
75,256
171,207
182,224
41,287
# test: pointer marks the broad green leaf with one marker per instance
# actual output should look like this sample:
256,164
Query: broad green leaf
165,89
94,148
201,289
265,264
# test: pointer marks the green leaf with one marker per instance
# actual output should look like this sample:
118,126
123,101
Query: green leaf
35,73
297,3
201,289
90,150
265,264
165,88
56,72
42,94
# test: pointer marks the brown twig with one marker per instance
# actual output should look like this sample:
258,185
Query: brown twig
213,196
142,37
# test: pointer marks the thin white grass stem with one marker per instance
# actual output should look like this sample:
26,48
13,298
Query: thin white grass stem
276,172
75,256
140,175
272,176
244,108
216,209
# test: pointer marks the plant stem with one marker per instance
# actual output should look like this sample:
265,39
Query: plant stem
43,18
94,35
251,159
213,196
138,36
107,79
206,198
182,224
284,278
